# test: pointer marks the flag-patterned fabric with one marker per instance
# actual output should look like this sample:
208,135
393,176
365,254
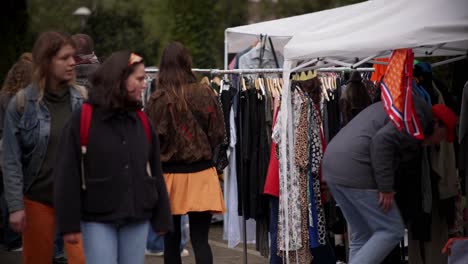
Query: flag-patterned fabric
397,93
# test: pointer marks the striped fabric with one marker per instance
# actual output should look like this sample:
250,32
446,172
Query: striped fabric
397,93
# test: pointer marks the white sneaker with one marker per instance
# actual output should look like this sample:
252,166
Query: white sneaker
155,254
184,253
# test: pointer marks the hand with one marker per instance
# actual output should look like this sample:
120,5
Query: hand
18,221
386,200
72,238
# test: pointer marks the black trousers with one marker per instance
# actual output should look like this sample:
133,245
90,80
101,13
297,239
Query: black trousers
199,229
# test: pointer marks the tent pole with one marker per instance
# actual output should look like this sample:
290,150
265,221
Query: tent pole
445,48
305,64
338,62
357,64
226,51
440,63
435,48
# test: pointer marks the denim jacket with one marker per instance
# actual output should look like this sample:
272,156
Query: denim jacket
25,140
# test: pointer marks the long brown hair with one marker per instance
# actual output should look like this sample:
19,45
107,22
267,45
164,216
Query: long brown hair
47,45
175,72
19,76
109,82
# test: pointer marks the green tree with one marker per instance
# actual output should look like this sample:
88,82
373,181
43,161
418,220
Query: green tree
112,32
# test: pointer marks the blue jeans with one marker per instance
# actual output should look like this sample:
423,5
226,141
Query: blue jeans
155,242
374,233
114,244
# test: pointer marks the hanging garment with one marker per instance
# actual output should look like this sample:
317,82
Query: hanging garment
272,181
397,93
258,59
262,202
289,189
421,92
463,140
372,90
316,156
444,164
333,109
429,252
354,99
253,148
443,161
380,70
302,160
242,151
233,222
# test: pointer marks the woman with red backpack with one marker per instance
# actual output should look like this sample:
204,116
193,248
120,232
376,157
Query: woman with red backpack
109,182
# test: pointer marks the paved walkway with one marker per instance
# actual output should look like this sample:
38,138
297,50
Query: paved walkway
222,254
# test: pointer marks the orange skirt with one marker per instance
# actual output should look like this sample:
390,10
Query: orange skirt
195,192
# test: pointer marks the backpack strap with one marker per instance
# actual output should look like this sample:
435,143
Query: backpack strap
144,120
85,124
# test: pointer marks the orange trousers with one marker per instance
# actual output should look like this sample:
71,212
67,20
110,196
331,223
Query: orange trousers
39,236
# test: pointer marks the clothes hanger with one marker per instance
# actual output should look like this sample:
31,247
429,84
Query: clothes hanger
262,86
244,87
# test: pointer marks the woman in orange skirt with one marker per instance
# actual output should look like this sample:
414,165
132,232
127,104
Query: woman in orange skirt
189,123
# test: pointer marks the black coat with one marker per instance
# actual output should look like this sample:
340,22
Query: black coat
119,188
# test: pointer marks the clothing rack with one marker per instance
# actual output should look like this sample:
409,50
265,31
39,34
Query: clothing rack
278,70
240,72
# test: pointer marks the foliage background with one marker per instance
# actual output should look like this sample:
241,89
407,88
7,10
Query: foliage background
143,26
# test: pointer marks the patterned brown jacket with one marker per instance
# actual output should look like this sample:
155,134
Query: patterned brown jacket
188,139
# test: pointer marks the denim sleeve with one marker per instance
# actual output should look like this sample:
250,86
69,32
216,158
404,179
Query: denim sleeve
12,166
385,147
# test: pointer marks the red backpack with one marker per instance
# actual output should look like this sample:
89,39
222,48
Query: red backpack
85,124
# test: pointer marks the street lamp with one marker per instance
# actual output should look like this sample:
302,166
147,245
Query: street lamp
82,12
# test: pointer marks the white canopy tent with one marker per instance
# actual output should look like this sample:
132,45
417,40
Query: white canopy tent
430,27
371,28
281,30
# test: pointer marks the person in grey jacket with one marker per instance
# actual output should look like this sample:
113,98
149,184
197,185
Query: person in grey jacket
359,167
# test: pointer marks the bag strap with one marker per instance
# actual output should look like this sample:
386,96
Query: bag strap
85,124
144,120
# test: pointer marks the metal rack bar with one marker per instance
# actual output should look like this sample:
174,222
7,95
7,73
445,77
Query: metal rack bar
278,70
